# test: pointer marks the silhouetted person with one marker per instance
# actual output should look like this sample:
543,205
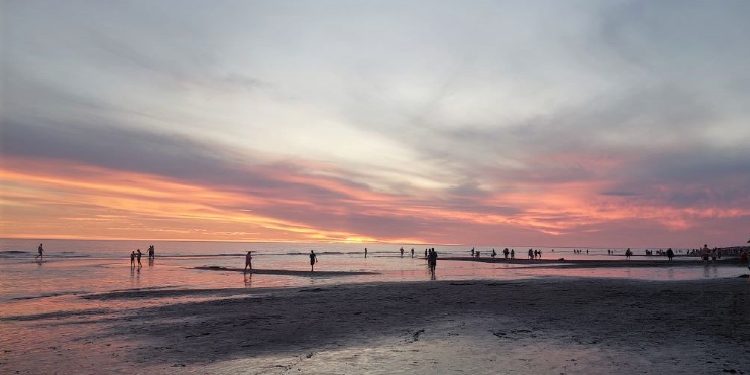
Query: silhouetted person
512,253
40,252
472,252
402,252
506,252
432,260
132,259
425,253
313,260
670,254
628,253
493,253
151,252
531,254
365,252
249,261
412,252
138,256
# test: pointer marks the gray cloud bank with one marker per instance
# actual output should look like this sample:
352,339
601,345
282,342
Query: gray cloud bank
649,101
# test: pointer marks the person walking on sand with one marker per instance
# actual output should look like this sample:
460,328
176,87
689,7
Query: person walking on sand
249,261
670,254
40,252
412,252
138,256
313,260
132,259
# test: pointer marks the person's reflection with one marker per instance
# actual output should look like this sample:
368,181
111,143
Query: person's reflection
705,271
431,272
248,280
150,261
670,273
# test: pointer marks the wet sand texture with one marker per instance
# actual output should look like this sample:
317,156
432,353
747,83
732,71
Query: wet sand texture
485,327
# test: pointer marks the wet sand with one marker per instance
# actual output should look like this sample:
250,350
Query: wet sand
604,263
567,325
259,271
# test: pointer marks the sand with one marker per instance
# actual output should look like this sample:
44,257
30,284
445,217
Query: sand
441,327
305,273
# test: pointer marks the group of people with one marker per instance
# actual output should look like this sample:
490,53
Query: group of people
313,260
135,256
535,254
579,251
402,252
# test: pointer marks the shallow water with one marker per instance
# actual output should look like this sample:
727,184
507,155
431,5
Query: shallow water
74,268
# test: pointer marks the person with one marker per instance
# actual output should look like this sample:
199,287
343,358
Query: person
512,253
40,251
412,252
531,254
472,252
402,252
540,253
432,260
506,252
628,253
132,259
477,254
425,253
249,261
151,252
138,256
365,252
493,253
313,260
670,254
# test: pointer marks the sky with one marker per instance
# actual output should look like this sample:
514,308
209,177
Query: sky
546,123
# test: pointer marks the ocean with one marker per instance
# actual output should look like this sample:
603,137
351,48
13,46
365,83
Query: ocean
74,268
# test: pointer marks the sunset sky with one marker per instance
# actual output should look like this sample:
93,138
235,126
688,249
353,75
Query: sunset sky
548,123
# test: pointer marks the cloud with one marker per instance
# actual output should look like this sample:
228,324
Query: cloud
557,122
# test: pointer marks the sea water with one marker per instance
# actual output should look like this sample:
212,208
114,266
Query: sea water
74,268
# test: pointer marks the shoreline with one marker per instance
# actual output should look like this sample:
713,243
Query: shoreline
592,263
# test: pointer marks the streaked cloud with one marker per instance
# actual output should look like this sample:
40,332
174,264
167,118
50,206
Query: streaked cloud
550,123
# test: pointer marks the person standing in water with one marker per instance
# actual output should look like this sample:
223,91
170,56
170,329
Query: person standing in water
365,252
40,251
402,252
412,252
249,261
138,256
313,260
132,259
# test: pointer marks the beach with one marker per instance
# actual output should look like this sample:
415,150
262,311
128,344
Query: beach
559,325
